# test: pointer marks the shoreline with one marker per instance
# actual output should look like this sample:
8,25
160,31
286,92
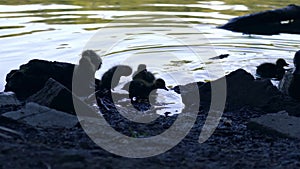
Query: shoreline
54,138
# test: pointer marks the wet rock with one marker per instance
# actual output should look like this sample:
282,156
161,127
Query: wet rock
8,102
280,124
31,77
241,90
40,116
270,22
54,95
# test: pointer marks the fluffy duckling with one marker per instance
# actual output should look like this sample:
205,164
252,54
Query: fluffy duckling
270,70
141,74
140,89
111,78
84,73
144,74
290,81
294,88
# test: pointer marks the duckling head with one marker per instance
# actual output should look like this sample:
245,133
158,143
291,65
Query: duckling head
281,62
160,84
141,67
93,58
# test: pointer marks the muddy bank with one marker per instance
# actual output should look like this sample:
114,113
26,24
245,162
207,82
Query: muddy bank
25,143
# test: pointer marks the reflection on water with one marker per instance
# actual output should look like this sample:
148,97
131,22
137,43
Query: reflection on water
59,30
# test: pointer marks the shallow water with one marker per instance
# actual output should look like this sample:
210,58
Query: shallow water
55,30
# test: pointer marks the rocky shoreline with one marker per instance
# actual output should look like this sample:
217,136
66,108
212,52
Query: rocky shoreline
45,133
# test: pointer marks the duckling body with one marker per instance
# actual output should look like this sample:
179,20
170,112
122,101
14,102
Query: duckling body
111,77
270,70
294,88
290,84
141,74
84,73
144,74
140,89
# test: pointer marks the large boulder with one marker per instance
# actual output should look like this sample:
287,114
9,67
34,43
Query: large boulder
243,90
56,96
31,77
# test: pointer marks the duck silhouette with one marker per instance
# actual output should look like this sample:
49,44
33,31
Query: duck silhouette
141,74
144,74
294,88
270,70
111,77
84,73
139,90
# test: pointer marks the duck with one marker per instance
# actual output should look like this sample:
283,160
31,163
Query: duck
289,85
139,90
84,74
144,74
141,74
294,88
111,77
271,70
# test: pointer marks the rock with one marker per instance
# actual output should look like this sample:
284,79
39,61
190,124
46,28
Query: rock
54,95
8,102
31,77
40,116
9,133
270,22
280,124
242,90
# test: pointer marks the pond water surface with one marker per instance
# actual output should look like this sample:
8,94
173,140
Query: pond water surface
61,30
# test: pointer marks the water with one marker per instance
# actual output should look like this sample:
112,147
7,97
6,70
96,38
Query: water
55,30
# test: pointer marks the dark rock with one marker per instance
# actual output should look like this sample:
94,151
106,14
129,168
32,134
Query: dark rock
57,96
54,95
242,90
36,115
31,77
9,102
270,22
278,124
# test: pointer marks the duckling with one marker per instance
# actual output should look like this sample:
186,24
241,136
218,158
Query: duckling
270,70
287,84
111,78
84,73
144,74
140,89
141,74
294,88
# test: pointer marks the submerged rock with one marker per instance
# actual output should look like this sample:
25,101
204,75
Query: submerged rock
270,22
